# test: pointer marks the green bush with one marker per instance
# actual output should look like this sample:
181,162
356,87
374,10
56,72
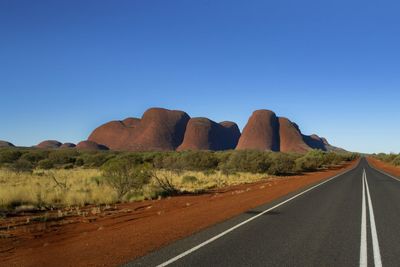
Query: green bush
22,165
45,164
282,164
63,156
96,159
34,156
9,155
396,161
124,176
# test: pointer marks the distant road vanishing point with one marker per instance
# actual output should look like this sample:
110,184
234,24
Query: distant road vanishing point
352,219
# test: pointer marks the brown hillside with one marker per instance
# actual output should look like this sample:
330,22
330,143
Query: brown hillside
261,132
205,134
49,144
68,145
291,139
90,145
6,144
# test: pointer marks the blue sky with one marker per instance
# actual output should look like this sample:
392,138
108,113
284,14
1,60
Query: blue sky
333,67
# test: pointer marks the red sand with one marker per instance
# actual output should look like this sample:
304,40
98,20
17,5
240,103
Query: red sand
386,167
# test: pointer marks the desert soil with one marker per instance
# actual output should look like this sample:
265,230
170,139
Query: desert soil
122,233
386,167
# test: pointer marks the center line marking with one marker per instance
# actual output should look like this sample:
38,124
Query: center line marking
363,243
375,243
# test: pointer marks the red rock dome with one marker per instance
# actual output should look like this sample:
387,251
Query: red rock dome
90,145
49,144
261,132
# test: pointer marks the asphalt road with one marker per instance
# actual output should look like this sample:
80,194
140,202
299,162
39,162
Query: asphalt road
350,220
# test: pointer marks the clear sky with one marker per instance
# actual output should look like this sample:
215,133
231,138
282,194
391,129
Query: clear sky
333,67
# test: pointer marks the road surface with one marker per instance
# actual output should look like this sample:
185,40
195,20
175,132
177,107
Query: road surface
349,220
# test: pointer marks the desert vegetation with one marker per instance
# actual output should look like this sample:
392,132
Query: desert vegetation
391,158
51,179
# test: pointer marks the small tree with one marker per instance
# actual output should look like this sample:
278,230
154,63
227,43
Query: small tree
124,176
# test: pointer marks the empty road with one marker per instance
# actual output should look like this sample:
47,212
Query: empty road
349,220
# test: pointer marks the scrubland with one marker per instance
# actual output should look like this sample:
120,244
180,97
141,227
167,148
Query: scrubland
32,179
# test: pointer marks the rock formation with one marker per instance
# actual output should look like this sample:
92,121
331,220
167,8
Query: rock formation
90,145
68,145
205,134
291,139
166,130
159,129
261,132
6,144
49,144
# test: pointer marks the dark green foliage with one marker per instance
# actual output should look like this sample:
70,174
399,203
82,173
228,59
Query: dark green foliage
45,164
34,156
63,156
228,162
96,159
282,164
125,176
22,165
9,155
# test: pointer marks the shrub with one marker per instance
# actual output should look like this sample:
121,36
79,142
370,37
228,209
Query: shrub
246,161
96,159
64,156
34,156
45,164
124,176
9,155
396,161
282,164
22,165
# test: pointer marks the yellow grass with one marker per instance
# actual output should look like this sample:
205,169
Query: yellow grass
78,187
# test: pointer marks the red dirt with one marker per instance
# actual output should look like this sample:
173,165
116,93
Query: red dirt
135,229
386,167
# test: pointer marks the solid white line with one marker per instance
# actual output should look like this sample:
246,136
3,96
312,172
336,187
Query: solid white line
183,254
375,243
363,243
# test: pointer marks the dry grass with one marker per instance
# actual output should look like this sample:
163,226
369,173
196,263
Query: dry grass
70,188
78,187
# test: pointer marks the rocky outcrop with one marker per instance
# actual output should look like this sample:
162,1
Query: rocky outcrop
6,144
261,132
166,130
68,145
205,134
159,129
90,145
232,134
291,139
49,144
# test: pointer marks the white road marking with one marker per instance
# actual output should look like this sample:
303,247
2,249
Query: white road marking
363,243
183,254
375,242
